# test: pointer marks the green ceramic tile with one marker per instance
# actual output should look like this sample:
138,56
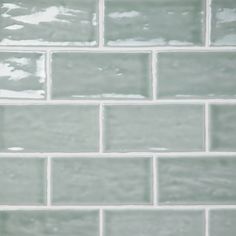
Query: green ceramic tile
101,75
223,127
154,128
48,128
153,223
199,180
63,22
223,26
187,75
22,181
154,22
222,222
49,223
22,75
107,181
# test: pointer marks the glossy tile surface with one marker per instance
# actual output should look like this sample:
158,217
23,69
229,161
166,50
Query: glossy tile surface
153,223
101,75
53,22
58,128
153,128
223,128
199,180
22,181
222,222
49,223
154,22
223,27
187,75
22,75
95,181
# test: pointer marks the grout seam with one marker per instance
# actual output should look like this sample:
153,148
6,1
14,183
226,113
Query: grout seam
155,182
206,222
207,128
101,219
48,181
154,75
208,24
101,23
101,129
48,76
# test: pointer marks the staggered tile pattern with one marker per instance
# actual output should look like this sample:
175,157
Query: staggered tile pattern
118,117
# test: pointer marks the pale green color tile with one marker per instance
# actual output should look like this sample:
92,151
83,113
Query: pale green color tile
53,22
49,128
223,26
222,222
153,223
199,180
187,75
22,181
101,75
223,127
22,75
49,223
107,181
154,22
154,128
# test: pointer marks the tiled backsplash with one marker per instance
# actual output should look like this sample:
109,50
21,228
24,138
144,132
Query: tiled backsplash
118,117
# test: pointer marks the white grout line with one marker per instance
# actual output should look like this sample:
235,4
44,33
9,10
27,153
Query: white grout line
101,222
120,207
120,155
120,102
48,181
207,141
208,24
155,182
154,75
115,49
101,23
48,75
101,129
206,222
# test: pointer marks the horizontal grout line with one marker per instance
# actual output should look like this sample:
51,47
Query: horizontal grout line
120,207
116,49
121,155
118,102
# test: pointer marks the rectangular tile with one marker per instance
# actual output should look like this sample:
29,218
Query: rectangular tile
64,22
196,75
222,222
223,127
154,22
223,26
101,75
49,128
22,75
106,181
22,181
154,222
199,180
49,223
154,128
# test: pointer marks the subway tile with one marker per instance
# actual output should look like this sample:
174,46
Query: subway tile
154,222
223,127
222,222
22,181
106,181
154,128
49,223
101,75
223,26
154,22
187,75
64,22
22,75
199,180
48,128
